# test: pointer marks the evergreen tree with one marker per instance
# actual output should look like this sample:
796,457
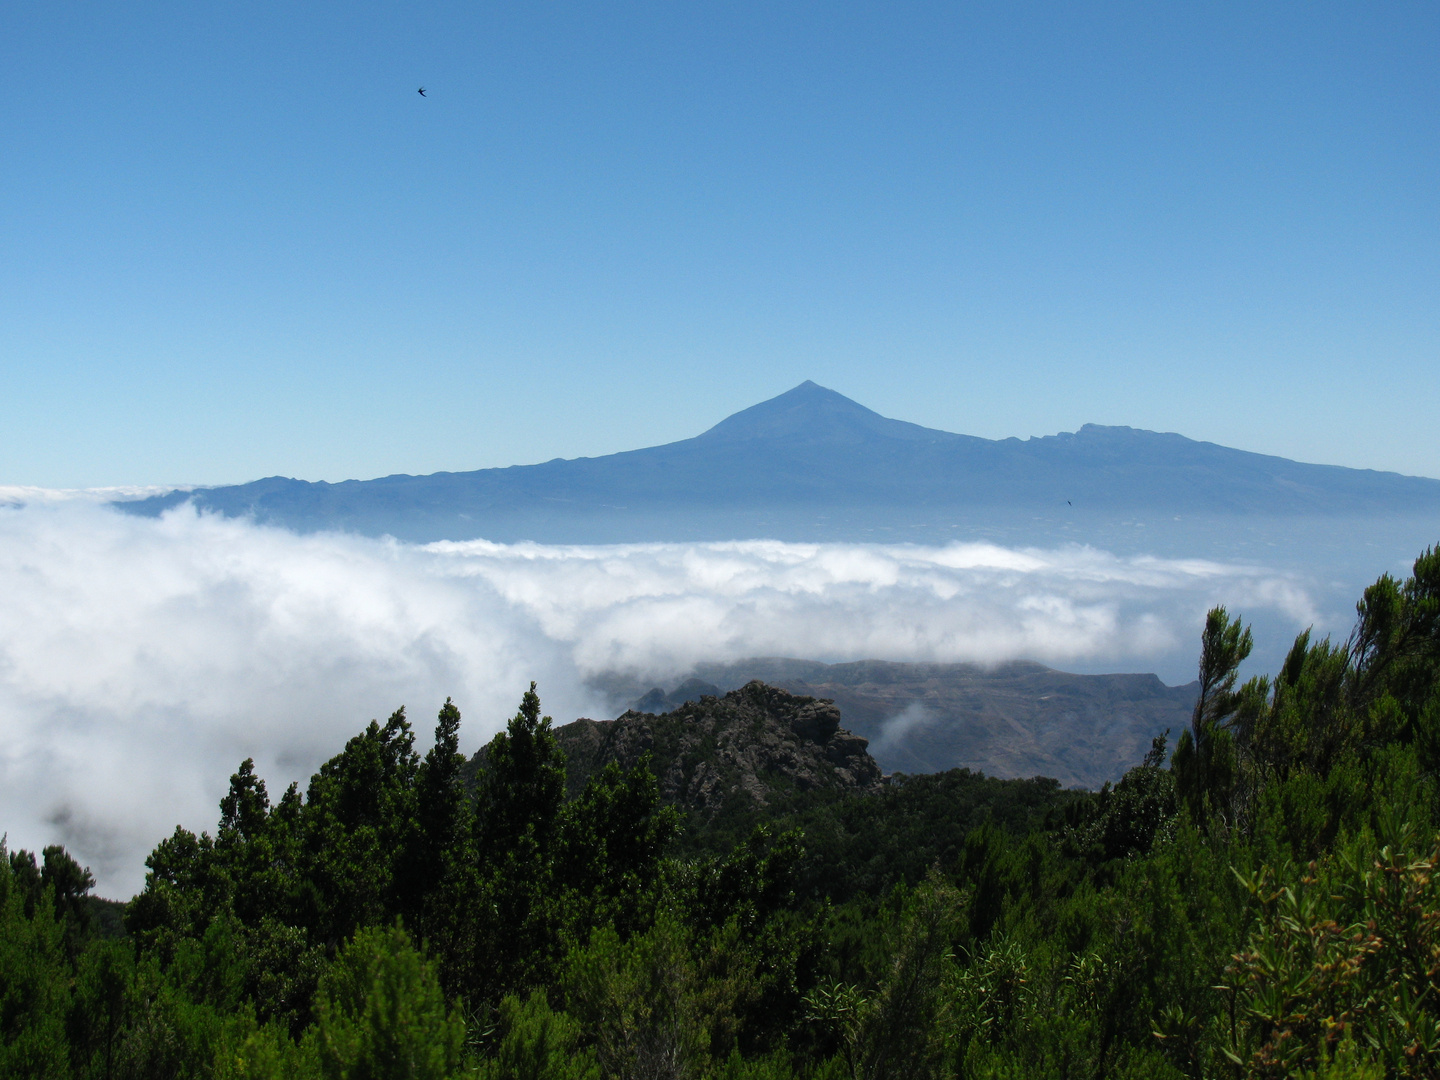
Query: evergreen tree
437,870
515,914
1206,768
358,817
381,1014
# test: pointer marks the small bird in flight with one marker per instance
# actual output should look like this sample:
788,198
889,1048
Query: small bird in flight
421,91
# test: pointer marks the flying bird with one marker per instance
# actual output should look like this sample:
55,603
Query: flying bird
421,91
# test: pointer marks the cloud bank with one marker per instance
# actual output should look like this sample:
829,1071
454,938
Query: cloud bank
141,660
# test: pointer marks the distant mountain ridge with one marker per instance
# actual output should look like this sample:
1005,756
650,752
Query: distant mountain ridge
1019,719
811,464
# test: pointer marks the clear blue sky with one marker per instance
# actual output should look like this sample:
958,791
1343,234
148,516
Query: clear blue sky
234,240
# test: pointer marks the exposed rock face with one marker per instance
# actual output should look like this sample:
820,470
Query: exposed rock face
757,741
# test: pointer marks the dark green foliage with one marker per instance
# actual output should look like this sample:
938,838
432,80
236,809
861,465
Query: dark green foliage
59,881
1206,769
436,866
859,847
358,819
517,822
522,788
899,1030
381,1014
34,975
1127,820
102,1008
538,1044
107,916
641,1000
613,837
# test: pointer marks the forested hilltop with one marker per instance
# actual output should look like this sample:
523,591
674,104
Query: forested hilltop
1261,902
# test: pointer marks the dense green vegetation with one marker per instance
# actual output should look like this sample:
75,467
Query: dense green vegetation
1261,903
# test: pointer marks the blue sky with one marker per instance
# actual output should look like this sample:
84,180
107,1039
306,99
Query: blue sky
234,240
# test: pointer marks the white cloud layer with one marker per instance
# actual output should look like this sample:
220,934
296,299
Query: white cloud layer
17,495
141,660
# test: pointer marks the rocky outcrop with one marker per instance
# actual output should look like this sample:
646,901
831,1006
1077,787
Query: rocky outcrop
758,743
1011,720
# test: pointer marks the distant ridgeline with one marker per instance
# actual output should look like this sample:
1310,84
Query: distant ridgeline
814,465
1016,719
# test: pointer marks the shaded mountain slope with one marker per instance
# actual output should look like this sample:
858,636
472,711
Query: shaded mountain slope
812,464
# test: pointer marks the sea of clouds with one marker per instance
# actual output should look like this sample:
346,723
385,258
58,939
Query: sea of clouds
142,659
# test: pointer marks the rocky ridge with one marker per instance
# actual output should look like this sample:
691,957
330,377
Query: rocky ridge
757,744
1012,720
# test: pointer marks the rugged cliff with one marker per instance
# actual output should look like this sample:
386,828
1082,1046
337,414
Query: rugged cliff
755,746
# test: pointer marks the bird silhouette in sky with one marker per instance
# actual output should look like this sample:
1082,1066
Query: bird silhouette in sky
1069,503
421,91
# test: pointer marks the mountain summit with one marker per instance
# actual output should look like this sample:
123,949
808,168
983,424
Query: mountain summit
813,465
811,413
